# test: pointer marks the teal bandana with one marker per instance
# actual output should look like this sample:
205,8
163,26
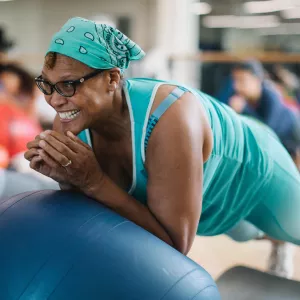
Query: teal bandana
99,46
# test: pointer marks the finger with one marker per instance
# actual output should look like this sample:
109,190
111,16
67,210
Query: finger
33,144
78,140
35,162
61,143
54,154
37,137
31,153
48,160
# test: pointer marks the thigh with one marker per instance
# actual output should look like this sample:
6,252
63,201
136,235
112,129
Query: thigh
278,215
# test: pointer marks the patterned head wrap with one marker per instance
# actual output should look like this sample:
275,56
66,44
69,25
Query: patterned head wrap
99,46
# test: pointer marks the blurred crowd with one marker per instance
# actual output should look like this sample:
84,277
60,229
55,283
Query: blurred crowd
23,115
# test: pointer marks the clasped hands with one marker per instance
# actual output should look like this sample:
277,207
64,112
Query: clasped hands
65,159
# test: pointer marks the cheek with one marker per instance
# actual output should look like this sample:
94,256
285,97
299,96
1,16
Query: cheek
92,101
239,86
247,86
95,103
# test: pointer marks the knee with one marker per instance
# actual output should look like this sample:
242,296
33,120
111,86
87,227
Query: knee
244,232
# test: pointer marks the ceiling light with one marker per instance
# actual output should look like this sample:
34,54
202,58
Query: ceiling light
201,8
219,21
6,0
260,7
230,21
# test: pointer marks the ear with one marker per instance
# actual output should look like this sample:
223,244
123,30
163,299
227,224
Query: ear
114,79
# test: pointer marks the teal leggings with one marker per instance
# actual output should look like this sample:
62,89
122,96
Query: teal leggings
279,215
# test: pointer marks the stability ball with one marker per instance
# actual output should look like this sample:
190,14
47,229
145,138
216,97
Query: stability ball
59,245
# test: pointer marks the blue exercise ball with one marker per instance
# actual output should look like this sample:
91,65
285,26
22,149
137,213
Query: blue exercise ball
59,245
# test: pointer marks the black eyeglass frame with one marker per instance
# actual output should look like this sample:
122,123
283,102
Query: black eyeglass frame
74,83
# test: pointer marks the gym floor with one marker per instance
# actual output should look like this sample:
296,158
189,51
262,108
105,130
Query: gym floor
217,254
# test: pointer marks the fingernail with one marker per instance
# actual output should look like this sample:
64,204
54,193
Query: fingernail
42,144
69,133
42,135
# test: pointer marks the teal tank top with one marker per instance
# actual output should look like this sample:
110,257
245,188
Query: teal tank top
235,175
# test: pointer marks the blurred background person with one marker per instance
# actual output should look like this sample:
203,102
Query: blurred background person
18,121
261,99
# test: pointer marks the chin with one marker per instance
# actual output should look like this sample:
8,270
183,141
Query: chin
75,126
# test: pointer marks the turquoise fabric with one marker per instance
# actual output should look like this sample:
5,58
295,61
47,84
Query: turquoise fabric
240,170
160,110
99,46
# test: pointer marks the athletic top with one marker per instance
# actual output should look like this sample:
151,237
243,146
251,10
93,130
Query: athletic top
17,129
239,169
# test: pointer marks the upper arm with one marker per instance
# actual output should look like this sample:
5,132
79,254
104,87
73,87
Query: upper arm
174,163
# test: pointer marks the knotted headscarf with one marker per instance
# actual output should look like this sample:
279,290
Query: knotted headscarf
99,46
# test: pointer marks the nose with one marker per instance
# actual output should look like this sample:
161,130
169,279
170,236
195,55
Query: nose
56,100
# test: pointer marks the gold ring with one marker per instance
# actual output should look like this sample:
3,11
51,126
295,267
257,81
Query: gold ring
67,164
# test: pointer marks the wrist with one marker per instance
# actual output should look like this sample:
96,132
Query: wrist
95,185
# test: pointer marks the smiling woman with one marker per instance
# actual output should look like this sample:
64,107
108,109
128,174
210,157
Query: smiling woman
159,153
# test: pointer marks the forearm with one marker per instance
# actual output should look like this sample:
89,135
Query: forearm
109,194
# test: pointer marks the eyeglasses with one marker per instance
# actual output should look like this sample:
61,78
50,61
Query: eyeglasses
64,88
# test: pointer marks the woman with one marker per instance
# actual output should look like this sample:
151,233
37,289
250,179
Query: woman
158,153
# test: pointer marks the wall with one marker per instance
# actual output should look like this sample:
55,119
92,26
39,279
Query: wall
251,39
32,22
241,40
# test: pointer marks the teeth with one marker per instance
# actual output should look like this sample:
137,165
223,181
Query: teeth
68,115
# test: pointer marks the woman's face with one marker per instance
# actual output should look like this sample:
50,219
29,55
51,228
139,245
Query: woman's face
246,84
92,101
11,83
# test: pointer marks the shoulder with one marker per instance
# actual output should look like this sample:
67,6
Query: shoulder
186,104
185,120
271,92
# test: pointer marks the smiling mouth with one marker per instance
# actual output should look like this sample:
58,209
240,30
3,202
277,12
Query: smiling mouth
69,115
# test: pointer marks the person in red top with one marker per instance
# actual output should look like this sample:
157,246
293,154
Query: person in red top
18,121
17,129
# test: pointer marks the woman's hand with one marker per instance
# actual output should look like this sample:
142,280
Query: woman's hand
50,169
66,159
237,103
